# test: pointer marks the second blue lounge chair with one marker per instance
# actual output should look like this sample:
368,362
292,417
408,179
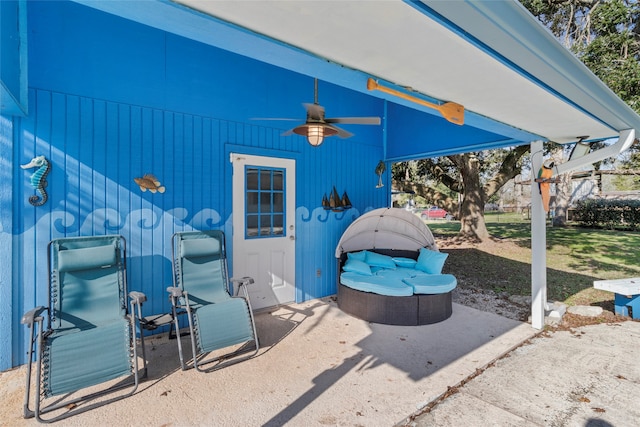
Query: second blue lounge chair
201,290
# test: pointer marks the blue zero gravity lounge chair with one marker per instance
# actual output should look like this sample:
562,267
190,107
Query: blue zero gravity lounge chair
217,320
90,337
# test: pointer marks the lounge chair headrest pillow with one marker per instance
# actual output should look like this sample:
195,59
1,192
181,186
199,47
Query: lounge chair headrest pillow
193,248
86,258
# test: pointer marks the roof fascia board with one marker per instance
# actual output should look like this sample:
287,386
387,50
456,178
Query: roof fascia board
506,30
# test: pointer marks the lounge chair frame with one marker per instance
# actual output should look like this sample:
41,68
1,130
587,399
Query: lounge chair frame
181,303
39,335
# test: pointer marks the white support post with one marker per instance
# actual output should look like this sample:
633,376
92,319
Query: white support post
538,217
538,242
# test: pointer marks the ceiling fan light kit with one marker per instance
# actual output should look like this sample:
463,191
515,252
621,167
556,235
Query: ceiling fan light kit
315,133
316,128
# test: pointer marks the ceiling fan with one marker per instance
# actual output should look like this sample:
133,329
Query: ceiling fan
317,126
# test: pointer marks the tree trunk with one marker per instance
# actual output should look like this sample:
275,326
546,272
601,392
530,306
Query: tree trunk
472,224
467,167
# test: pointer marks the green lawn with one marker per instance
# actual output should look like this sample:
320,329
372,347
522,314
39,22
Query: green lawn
575,258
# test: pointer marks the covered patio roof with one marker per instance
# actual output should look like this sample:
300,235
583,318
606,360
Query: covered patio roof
515,81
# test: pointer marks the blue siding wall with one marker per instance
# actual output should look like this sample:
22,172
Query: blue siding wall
404,141
109,101
7,321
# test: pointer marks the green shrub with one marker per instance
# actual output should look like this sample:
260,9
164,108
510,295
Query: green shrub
610,214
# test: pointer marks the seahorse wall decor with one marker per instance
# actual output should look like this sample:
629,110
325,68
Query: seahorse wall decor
38,179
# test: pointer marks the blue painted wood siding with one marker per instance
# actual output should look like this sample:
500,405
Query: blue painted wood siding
100,130
97,148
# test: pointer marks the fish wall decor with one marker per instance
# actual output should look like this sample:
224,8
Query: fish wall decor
38,179
149,182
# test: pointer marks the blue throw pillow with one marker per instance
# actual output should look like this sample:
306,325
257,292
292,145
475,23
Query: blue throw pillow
405,262
431,262
360,256
375,259
355,266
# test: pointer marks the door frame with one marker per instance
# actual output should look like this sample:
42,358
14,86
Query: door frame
238,150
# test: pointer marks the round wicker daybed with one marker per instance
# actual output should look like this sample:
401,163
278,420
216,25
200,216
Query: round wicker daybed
398,234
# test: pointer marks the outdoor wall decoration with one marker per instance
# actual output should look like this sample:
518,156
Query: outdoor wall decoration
336,203
149,182
544,180
379,171
38,179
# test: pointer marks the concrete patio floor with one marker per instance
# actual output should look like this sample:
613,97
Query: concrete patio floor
317,366
584,377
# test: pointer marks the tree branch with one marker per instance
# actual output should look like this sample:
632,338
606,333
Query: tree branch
427,192
508,170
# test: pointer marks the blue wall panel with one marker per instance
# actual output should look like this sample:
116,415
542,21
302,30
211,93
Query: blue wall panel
415,132
7,249
111,101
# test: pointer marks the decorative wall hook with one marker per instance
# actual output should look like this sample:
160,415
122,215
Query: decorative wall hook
38,179
379,171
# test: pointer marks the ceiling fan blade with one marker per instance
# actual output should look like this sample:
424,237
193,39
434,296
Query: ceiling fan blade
314,111
288,132
355,120
341,132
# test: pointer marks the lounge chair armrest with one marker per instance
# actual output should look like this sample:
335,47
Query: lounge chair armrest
30,316
242,282
137,297
174,292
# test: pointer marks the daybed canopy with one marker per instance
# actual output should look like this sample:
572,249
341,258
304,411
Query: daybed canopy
386,228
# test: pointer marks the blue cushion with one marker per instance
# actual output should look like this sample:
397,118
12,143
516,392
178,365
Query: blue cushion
432,283
376,284
355,266
360,256
394,275
375,259
375,269
405,262
431,261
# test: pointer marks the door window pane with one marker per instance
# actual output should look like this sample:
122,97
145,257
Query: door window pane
278,180
264,202
251,179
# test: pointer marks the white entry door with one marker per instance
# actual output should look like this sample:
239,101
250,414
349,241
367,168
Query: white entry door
264,191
